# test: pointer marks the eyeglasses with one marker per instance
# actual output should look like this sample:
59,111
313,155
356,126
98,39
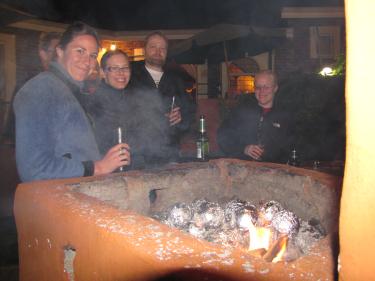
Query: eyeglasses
117,69
263,87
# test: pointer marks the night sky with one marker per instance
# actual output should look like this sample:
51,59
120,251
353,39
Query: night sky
162,14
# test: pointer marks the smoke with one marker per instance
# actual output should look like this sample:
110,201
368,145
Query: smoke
147,128
141,114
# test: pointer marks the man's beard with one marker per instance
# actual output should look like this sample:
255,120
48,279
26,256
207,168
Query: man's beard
159,62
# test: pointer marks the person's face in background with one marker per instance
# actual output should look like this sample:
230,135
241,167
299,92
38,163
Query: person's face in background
265,90
117,71
46,56
156,51
79,56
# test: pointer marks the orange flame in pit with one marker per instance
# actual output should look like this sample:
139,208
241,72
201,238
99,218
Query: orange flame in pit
261,238
280,254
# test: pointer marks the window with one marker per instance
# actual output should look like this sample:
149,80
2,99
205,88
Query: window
324,42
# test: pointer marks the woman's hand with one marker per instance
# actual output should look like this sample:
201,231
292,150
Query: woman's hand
116,157
255,151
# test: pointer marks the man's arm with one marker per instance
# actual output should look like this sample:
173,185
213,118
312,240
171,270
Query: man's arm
187,108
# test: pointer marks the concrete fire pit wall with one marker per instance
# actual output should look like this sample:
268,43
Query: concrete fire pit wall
98,229
218,181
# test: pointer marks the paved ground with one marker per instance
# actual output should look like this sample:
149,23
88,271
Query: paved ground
9,273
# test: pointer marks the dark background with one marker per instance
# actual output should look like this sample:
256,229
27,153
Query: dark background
162,14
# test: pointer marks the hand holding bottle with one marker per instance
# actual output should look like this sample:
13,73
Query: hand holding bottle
174,116
115,158
255,151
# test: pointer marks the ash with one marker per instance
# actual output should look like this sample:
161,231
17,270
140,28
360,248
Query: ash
308,235
228,223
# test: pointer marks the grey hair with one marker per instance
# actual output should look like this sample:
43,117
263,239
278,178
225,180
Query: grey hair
271,73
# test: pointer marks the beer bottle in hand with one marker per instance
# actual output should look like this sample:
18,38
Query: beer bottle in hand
202,140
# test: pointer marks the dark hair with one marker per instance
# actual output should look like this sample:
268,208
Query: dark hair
77,29
109,54
46,38
156,33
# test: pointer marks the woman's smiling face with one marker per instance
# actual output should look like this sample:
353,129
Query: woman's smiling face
117,71
79,56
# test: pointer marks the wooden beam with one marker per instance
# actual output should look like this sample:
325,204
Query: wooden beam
312,12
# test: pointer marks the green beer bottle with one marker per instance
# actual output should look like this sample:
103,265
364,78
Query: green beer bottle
202,140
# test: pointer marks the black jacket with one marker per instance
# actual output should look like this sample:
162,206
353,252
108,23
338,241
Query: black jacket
170,85
106,109
248,125
140,117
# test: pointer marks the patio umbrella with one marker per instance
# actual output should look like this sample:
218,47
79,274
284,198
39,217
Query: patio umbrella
226,42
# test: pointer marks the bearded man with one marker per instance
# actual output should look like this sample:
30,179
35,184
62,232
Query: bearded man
161,96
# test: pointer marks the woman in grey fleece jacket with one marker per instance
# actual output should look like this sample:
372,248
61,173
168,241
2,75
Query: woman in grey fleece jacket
54,138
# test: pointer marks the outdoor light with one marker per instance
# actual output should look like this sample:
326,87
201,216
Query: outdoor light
326,71
245,84
138,54
112,47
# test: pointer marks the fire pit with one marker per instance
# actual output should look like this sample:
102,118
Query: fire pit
101,229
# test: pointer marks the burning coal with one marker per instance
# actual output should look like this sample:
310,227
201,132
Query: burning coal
267,230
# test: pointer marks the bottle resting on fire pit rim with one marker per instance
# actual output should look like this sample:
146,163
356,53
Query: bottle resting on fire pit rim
293,158
202,140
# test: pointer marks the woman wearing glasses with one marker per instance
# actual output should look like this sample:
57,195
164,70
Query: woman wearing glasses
139,113
54,137
107,106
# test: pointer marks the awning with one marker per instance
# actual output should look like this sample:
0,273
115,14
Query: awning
226,42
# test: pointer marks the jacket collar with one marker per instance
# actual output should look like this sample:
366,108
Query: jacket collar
108,87
55,66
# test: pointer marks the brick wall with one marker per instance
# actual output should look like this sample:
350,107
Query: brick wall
27,58
294,55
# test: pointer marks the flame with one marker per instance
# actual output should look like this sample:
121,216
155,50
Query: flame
261,238
280,254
